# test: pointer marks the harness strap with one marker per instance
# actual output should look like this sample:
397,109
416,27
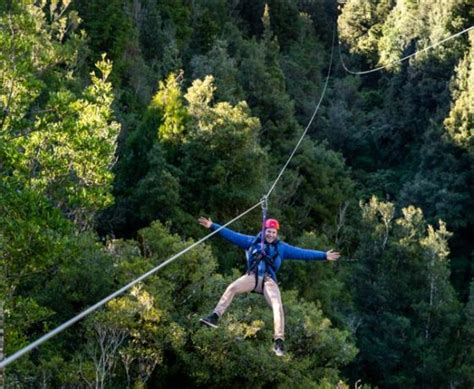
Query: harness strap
264,218
261,256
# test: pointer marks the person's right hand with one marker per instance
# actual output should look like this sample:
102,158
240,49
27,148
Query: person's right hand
205,222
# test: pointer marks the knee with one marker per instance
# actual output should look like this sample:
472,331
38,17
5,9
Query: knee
232,289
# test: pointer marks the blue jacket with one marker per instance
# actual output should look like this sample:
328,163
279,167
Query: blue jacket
285,250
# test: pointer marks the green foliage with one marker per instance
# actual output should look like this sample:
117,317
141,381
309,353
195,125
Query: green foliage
139,328
107,25
134,329
71,149
153,330
397,30
31,57
242,341
206,26
185,277
386,28
178,13
347,127
390,127
440,182
316,186
460,122
209,144
467,376
322,283
48,271
157,194
61,142
283,19
168,102
263,82
87,276
223,165
31,233
360,24
301,63
147,186
222,67
406,306
22,314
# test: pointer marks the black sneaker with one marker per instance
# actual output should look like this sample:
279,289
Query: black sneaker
210,320
278,347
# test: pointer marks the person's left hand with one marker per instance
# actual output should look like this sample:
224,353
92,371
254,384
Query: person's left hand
332,255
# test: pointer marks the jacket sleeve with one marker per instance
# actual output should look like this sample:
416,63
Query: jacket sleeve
293,252
241,240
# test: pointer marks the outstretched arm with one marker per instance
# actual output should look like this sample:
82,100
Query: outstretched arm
293,252
241,240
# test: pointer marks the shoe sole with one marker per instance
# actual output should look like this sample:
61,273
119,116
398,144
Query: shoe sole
207,323
278,353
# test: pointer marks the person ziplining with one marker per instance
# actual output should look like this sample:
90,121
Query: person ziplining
264,258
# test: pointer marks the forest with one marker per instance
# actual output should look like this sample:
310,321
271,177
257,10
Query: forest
124,121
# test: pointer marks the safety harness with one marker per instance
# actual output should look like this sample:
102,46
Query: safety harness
256,254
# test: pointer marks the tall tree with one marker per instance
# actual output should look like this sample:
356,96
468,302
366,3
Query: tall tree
57,143
70,149
218,63
147,185
301,63
263,81
360,25
407,308
460,122
224,166
60,140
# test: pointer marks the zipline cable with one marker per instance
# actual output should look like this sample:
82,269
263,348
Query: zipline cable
404,58
310,121
5,362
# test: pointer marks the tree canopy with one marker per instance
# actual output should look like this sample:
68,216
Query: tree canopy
122,122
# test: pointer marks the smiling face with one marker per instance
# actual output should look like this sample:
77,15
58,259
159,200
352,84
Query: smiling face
271,234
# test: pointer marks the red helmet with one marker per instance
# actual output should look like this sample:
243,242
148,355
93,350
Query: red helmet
272,223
